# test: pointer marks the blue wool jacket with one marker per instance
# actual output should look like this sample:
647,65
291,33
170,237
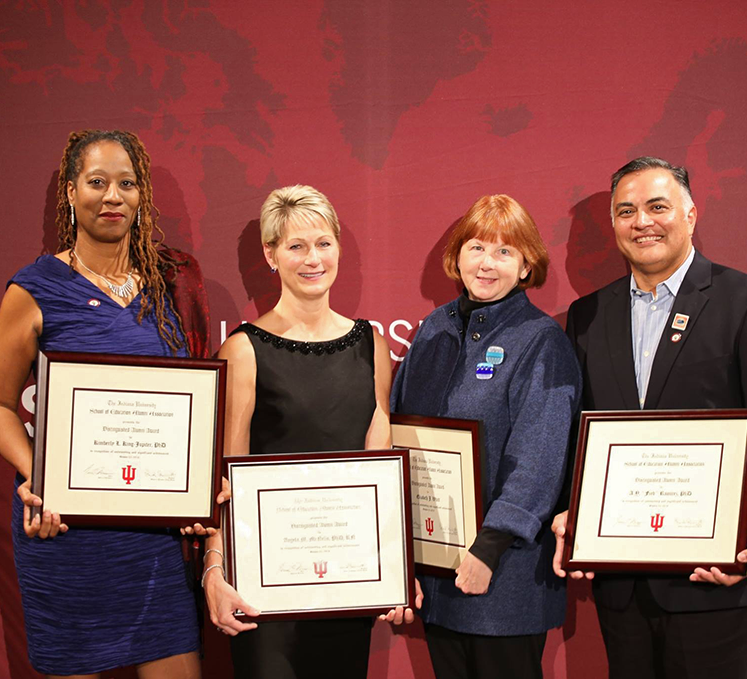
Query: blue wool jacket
526,408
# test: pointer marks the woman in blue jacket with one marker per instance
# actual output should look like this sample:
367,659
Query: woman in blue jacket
492,355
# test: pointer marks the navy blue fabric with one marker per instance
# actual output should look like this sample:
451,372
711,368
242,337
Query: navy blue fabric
526,408
98,599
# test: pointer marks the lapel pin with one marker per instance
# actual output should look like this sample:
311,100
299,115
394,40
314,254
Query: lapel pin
676,337
680,321
484,371
94,302
495,355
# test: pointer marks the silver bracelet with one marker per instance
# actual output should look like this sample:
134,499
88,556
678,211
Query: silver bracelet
215,551
208,569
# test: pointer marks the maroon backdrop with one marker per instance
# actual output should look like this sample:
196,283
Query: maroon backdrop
403,112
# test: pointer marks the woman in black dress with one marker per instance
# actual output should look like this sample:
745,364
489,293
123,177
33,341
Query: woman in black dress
300,378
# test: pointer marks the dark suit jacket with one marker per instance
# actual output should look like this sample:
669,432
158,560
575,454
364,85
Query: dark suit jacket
707,368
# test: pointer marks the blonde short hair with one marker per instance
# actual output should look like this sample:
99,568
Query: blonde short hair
298,204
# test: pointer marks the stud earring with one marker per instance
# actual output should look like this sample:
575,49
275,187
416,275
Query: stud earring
273,269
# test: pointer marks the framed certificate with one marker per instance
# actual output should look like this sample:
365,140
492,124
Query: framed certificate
658,491
314,535
129,440
445,474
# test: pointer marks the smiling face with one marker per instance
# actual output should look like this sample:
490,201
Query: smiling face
105,194
490,270
654,222
306,258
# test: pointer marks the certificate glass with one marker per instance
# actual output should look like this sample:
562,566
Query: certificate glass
445,473
129,440
320,534
658,491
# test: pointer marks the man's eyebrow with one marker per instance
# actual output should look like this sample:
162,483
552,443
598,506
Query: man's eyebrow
623,204
658,199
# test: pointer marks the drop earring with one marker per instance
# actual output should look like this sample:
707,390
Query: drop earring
72,215
138,216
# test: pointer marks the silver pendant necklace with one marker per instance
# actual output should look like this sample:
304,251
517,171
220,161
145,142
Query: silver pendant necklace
124,290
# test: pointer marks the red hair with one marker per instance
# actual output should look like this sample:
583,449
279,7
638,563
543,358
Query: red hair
494,218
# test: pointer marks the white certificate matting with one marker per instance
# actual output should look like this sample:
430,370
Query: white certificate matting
444,500
661,491
318,535
127,440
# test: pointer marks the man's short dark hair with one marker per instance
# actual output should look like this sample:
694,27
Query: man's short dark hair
650,163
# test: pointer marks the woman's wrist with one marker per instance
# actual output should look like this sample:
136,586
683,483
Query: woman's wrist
209,574
213,555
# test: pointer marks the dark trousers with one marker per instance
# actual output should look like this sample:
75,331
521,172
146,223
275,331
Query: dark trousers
644,641
456,655
306,649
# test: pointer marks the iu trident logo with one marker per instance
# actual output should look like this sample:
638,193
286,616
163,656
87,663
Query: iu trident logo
657,522
320,568
429,525
128,474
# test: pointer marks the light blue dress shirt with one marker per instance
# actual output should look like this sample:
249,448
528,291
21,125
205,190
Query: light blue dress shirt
649,312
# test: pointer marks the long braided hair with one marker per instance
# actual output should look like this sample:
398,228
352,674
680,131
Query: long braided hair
144,256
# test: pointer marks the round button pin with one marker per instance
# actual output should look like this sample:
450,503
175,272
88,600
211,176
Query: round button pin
495,355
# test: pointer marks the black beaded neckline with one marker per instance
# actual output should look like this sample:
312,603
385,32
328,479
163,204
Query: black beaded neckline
318,348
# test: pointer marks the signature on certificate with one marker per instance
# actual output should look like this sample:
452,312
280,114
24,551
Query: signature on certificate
627,521
98,472
685,522
159,475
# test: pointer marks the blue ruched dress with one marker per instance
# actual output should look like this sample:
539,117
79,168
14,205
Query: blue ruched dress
98,599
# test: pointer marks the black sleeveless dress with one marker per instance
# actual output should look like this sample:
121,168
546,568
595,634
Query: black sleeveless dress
310,396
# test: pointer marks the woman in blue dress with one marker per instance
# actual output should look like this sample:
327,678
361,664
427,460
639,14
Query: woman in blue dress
94,600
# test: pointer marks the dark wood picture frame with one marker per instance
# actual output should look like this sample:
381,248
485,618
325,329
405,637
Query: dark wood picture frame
354,457
476,489
592,418
40,482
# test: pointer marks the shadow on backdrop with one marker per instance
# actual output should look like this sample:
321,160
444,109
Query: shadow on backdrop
176,224
174,218
435,285
49,227
263,288
593,259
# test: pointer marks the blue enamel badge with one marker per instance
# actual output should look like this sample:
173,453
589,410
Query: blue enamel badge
484,371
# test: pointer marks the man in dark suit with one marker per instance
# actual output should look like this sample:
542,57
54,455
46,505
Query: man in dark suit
672,335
